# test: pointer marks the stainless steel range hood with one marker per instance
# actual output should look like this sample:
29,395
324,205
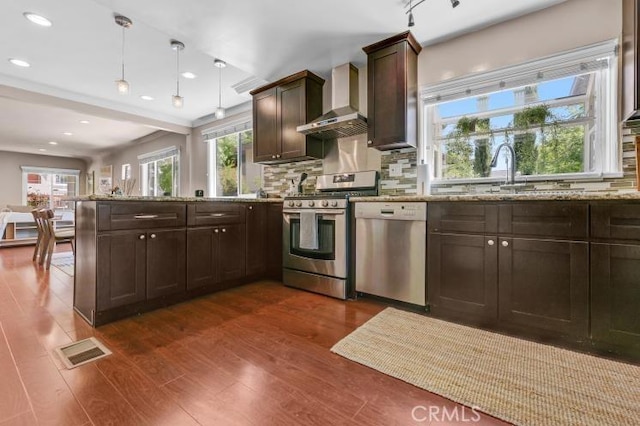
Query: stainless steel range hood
344,119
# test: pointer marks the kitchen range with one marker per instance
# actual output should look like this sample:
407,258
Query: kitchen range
316,230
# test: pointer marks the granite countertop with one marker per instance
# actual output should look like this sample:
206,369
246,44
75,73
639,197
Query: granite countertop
173,199
533,196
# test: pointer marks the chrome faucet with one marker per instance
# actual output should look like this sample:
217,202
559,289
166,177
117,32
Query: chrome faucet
511,178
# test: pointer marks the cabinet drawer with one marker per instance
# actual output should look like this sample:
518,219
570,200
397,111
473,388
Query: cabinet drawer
215,213
618,221
559,219
114,216
475,218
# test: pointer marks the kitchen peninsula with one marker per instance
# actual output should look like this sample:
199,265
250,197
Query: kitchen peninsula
136,254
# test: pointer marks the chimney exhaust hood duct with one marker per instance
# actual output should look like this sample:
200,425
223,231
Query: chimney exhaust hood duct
344,119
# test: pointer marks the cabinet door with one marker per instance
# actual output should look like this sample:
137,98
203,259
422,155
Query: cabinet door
291,114
256,239
462,277
121,269
387,103
166,251
615,295
274,243
231,252
202,257
544,285
266,144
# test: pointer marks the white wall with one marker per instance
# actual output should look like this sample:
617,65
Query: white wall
566,26
128,154
11,174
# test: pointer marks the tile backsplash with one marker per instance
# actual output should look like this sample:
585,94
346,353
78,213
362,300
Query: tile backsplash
276,178
398,174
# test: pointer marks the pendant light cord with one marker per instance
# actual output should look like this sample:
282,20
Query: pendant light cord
178,71
123,35
219,87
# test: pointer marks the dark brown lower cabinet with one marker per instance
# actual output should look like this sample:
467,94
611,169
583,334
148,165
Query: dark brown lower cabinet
462,275
214,255
231,252
615,296
256,239
544,285
137,265
274,241
121,269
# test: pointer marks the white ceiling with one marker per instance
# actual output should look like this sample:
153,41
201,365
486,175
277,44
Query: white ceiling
78,58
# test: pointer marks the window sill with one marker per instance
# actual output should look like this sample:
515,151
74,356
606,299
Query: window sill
573,177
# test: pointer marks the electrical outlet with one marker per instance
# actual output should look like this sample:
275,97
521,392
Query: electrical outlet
395,170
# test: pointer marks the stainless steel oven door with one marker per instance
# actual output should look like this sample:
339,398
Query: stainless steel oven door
331,256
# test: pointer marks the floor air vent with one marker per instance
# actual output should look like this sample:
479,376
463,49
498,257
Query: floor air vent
82,352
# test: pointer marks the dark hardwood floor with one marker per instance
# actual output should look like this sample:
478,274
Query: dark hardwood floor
254,355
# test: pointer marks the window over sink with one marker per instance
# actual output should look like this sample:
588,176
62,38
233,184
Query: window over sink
559,114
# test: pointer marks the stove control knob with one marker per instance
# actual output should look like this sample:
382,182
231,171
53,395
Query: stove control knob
325,203
298,203
334,204
311,203
290,203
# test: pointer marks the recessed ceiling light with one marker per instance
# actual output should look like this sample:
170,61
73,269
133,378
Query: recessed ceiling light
146,98
37,19
53,143
67,133
189,75
19,63
84,121
42,150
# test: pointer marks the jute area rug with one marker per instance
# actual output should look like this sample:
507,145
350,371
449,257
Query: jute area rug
515,380
63,261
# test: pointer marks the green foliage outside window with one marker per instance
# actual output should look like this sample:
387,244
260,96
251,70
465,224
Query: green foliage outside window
557,149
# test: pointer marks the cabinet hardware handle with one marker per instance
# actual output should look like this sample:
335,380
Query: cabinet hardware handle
505,244
217,214
224,230
141,237
278,156
145,216
273,156
369,142
152,235
216,231
490,242
250,207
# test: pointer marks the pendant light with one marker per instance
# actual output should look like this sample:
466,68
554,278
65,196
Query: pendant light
176,99
219,63
122,84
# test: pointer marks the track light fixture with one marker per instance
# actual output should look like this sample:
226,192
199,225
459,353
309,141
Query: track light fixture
176,99
411,22
219,63
122,84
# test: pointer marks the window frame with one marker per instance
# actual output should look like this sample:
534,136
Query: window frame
28,170
237,126
488,82
145,160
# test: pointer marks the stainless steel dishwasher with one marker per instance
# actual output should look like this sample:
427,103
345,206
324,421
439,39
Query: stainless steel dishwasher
391,243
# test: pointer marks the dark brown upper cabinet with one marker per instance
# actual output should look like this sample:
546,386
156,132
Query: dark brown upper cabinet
392,92
278,109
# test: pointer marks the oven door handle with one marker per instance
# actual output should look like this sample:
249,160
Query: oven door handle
320,212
